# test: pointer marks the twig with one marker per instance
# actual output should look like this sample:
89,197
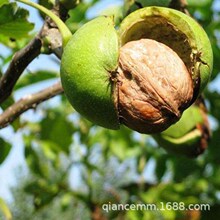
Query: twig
25,56
19,62
28,102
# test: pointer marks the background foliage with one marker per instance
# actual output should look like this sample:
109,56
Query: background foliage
74,166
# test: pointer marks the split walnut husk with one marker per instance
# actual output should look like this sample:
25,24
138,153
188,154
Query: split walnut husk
148,96
154,86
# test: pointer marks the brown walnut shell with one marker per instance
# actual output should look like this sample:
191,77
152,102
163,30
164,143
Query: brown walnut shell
154,86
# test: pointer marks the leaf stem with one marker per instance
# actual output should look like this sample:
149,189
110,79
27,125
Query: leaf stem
64,30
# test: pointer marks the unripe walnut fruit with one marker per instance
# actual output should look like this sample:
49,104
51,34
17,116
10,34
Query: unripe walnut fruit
154,86
143,75
113,77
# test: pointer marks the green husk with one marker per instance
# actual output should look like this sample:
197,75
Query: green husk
86,66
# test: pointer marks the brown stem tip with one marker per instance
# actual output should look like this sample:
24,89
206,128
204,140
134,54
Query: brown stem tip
154,86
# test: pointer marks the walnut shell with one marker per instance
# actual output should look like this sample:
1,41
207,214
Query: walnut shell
154,86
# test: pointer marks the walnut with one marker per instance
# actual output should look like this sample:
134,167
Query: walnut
154,86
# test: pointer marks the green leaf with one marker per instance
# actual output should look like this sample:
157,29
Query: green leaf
35,162
161,166
47,4
132,5
69,4
13,22
56,128
66,200
201,3
50,150
43,192
6,104
78,14
214,101
5,210
77,17
214,149
145,3
2,2
32,78
185,165
5,148
120,143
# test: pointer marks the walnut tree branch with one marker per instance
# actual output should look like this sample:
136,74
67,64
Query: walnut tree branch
19,62
28,102
25,56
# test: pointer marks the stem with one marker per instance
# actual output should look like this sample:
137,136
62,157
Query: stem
64,30
19,62
28,102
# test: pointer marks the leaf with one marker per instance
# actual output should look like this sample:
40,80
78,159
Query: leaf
6,104
214,101
13,22
77,17
120,143
161,166
2,2
43,192
214,149
163,3
35,162
66,201
50,150
5,210
57,129
32,78
78,14
131,5
47,4
183,167
5,148
196,3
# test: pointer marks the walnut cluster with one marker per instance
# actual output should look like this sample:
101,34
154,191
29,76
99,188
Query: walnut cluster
154,86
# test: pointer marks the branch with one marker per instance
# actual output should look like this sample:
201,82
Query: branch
28,102
19,62
25,56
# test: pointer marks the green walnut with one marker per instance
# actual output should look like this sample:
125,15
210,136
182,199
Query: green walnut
190,135
88,62
143,75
